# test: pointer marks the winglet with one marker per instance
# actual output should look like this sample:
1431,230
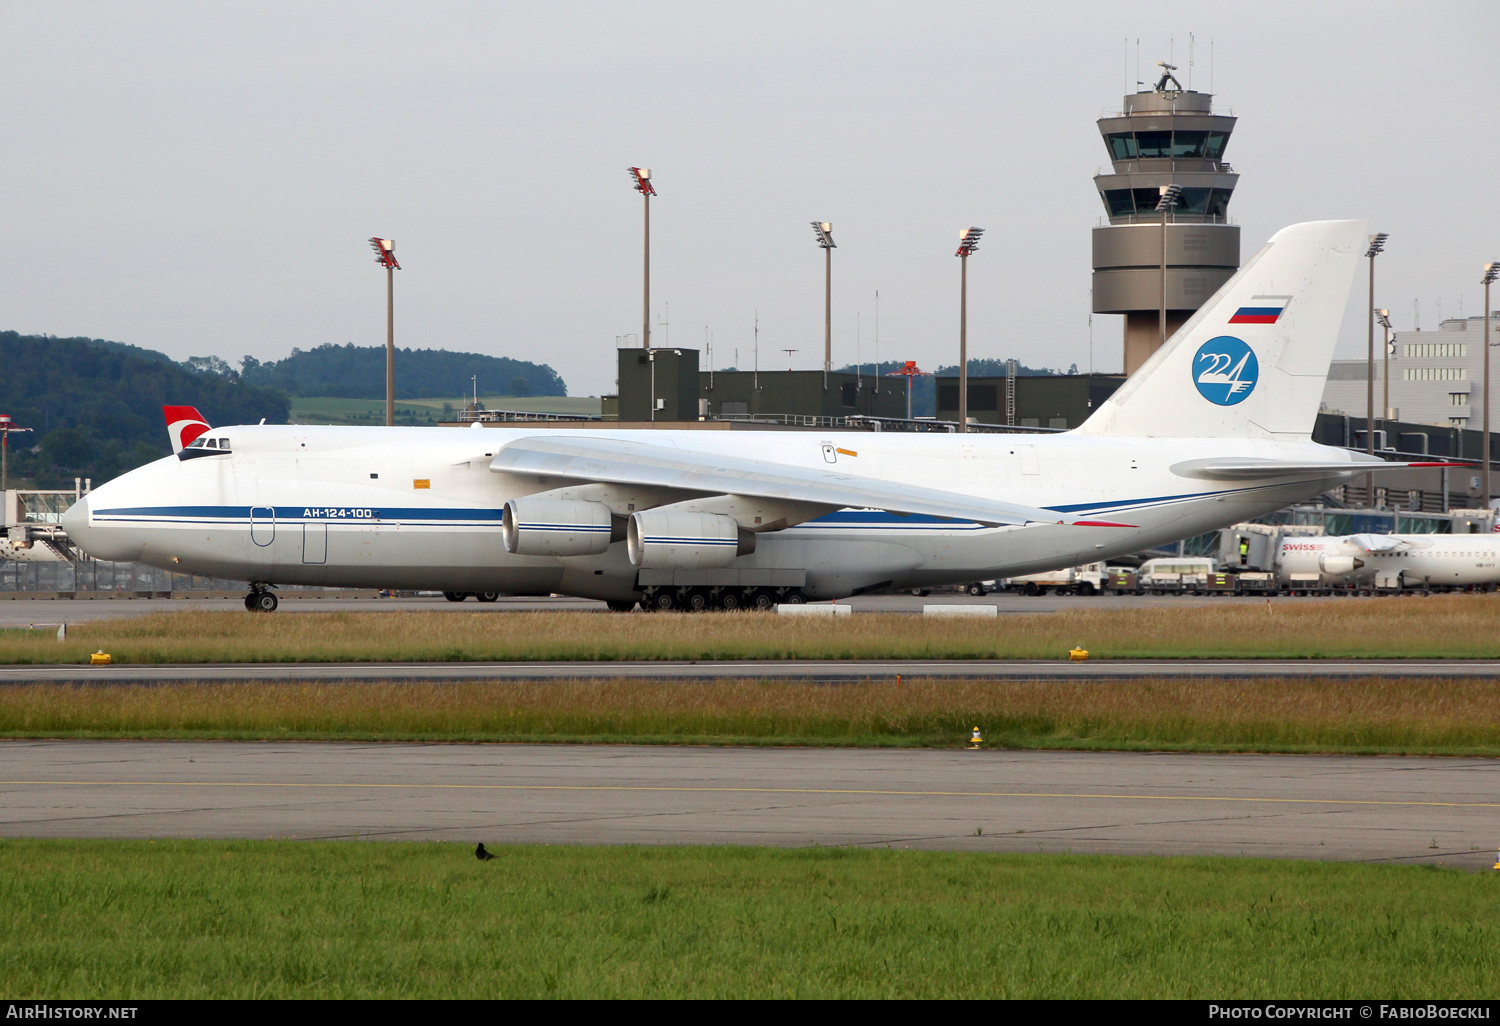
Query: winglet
184,425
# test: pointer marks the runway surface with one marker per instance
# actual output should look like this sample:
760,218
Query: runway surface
1318,807
826,671
19,611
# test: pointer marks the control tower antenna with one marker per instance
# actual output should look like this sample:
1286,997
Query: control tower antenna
1158,274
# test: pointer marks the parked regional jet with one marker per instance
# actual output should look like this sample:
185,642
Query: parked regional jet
1394,560
1212,430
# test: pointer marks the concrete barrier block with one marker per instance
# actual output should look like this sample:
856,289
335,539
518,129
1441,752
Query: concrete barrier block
960,609
785,609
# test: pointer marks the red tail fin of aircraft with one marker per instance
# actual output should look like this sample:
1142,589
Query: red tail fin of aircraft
184,425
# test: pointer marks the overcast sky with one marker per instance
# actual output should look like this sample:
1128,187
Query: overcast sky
201,178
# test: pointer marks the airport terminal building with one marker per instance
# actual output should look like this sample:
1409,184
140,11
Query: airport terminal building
1436,377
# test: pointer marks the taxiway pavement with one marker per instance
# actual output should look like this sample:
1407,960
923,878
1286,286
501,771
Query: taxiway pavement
813,670
1319,807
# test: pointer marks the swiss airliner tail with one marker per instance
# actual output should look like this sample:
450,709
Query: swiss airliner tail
184,425
1252,361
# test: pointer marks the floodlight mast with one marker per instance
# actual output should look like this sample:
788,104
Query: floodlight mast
642,178
385,256
1491,272
1377,246
1383,318
1170,194
968,242
6,427
824,231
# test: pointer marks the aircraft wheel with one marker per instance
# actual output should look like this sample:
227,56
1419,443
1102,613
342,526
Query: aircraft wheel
730,600
761,599
620,605
250,602
455,596
696,600
794,598
663,601
487,596
265,602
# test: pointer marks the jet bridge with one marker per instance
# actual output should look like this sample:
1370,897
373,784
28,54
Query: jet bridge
31,524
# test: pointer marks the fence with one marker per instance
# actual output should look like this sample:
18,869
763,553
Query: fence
100,576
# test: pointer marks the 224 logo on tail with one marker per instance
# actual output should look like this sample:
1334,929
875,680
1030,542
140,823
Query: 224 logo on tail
1225,370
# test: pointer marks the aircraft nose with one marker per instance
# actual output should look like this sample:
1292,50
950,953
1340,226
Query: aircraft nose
76,521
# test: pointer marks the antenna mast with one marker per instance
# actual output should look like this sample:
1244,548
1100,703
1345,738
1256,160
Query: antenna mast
756,377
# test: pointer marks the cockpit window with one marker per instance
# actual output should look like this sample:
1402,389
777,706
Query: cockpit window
213,443
223,443
197,443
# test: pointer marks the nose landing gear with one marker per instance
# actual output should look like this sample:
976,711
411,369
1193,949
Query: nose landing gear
261,600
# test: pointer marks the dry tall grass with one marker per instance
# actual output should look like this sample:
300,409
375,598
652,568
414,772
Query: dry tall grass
1374,715
1460,626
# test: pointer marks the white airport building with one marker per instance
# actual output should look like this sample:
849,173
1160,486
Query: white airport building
1436,377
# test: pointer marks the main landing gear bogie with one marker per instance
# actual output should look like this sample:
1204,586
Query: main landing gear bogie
701,599
261,600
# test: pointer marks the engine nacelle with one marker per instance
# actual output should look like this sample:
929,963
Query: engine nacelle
555,527
664,540
1339,564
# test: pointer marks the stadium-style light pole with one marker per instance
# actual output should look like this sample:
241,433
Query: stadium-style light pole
641,176
385,256
1383,318
1170,194
824,232
968,242
1377,245
1491,272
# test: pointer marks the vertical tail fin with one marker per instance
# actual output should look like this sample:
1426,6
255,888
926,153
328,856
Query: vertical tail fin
184,425
1252,361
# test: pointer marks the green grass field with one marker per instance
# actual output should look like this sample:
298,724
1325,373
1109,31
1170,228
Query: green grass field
1456,626
276,919
1373,716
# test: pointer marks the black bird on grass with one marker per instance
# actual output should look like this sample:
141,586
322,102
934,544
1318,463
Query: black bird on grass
481,854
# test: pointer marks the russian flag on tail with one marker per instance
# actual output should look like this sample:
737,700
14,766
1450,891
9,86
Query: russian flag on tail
1262,310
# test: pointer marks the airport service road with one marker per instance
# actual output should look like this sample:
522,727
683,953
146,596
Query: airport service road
817,671
19,612
1319,807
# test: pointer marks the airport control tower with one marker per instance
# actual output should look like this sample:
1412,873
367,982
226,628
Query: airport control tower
1165,136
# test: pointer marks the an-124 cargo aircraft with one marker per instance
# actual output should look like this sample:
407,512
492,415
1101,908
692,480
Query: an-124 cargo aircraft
1212,430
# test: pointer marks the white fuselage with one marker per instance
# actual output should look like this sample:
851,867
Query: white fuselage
421,508
1446,560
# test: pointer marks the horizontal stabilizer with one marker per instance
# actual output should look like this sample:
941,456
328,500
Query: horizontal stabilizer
619,461
1255,469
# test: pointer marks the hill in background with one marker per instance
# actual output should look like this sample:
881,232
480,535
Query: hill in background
358,372
94,407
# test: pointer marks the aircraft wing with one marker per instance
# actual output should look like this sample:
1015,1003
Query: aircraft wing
1379,542
1250,468
619,461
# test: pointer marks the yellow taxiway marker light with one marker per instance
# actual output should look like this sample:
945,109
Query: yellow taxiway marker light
1078,655
974,739
100,658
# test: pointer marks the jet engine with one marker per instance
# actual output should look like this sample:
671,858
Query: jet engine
555,527
664,540
1339,564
